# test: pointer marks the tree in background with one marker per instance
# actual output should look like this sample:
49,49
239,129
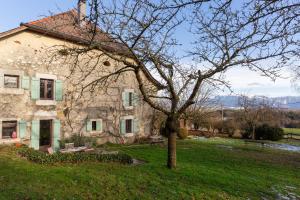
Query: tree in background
256,111
223,34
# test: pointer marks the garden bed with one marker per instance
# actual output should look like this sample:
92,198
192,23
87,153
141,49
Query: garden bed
76,157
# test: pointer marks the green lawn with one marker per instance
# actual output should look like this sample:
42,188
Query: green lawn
210,169
292,130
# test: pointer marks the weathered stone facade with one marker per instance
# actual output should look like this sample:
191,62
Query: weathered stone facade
27,54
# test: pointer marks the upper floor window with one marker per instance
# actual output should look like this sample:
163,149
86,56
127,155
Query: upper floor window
9,129
130,99
46,89
11,81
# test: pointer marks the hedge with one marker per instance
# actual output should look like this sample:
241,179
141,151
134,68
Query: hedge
43,158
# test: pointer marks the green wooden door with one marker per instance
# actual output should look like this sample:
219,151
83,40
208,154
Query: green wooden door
35,135
56,134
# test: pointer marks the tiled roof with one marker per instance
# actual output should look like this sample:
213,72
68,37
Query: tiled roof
65,26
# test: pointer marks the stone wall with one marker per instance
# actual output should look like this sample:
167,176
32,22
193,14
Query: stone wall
30,54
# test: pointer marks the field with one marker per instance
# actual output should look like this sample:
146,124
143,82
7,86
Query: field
207,169
295,131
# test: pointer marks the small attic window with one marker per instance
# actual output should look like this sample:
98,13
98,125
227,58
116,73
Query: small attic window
106,63
63,52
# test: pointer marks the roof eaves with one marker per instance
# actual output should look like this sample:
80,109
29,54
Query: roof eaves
55,34
12,32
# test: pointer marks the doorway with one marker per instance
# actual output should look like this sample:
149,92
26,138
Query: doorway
45,134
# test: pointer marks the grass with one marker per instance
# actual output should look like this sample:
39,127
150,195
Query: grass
208,169
295,131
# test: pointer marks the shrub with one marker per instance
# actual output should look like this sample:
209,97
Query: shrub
43,158
219,125
266,132
229,127
246,131
182,133
292,125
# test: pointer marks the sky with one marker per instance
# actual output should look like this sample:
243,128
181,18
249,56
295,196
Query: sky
13,12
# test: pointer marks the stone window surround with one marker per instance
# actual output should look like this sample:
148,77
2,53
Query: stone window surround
97,120
46,102
17,91
129,107
128,117
9,119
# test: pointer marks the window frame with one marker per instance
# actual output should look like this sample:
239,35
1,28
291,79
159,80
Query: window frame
2,129
130,99
128,125
94,125
46,88
130,105
14,76
95,121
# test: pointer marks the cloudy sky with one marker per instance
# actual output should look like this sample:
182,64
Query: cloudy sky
13,12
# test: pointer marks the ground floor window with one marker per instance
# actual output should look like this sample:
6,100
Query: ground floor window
94,125
9,129
128,126
11,81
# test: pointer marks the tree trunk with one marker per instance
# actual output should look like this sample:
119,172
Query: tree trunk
253,132
172,150
172,127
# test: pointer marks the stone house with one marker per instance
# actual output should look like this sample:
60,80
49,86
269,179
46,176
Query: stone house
40,98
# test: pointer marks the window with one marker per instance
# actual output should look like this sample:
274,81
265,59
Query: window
130,98
128,125
94,125
46,89
106,63
11,81
9,129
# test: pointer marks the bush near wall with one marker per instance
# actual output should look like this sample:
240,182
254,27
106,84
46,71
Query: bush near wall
43,158
183,133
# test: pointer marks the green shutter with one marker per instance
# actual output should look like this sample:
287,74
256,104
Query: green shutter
25,82
122,126
56,134
136,126
99,125
22,129
35,135
89,126
136,99
58,90
1,80
35,88
125,99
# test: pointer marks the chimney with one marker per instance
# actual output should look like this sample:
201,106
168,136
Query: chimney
81,11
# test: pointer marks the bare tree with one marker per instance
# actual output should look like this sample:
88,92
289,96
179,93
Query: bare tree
256,111
225,34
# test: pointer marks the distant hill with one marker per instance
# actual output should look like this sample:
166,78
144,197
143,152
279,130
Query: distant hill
286,102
